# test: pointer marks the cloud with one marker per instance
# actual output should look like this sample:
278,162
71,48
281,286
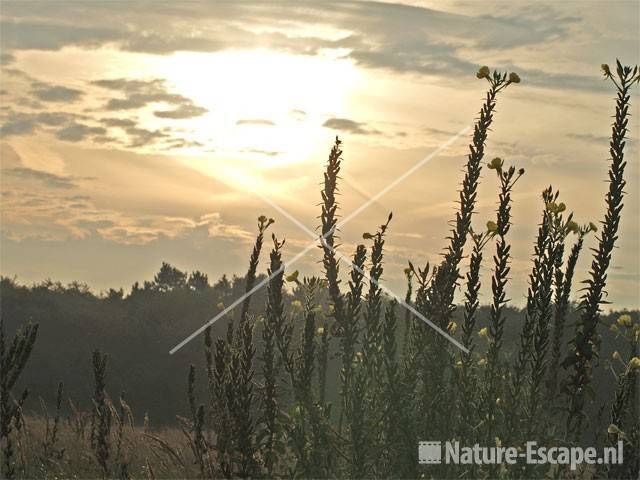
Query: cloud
350,126
18,125
268,153
140,137
140,93
7,59
118,122
256,121
77,132
589,137
183,111
56,93
398,37
49,179
30,35
298,114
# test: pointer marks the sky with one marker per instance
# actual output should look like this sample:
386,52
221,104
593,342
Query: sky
133,133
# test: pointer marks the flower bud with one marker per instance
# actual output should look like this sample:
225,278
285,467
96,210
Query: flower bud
293,277
514,78
572,227
495,164
483,72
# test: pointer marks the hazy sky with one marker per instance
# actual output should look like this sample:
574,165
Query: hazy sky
139,132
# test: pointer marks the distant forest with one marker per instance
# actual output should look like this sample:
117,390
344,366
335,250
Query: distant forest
136,329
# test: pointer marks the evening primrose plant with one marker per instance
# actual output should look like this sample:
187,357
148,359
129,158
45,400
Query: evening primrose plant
338,380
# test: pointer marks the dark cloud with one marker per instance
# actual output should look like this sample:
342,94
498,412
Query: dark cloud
19,123
350,126
31,35
118,122
77,132
140,93
398,37
182,112
49,179
55,93
6,59
256,121
140,137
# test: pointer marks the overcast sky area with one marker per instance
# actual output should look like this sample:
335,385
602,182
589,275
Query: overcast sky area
134,133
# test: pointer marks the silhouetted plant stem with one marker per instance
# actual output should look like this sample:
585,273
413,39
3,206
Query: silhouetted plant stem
583,353
564,282
273,317
502,259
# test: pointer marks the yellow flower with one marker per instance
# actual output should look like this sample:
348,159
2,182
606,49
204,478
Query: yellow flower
614,328
514,78
484,332
498,402
359,356
220,305
453,326
320,331
498,442
483,72
616,355
625,320
613,429
459,364
482,361
296,304
634,363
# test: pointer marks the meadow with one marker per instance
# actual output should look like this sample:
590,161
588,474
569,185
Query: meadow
337,379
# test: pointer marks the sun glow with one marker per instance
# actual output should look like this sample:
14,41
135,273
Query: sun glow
263,106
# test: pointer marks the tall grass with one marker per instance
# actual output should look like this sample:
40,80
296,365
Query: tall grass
342,388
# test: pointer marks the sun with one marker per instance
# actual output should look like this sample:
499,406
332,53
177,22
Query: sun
264,106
